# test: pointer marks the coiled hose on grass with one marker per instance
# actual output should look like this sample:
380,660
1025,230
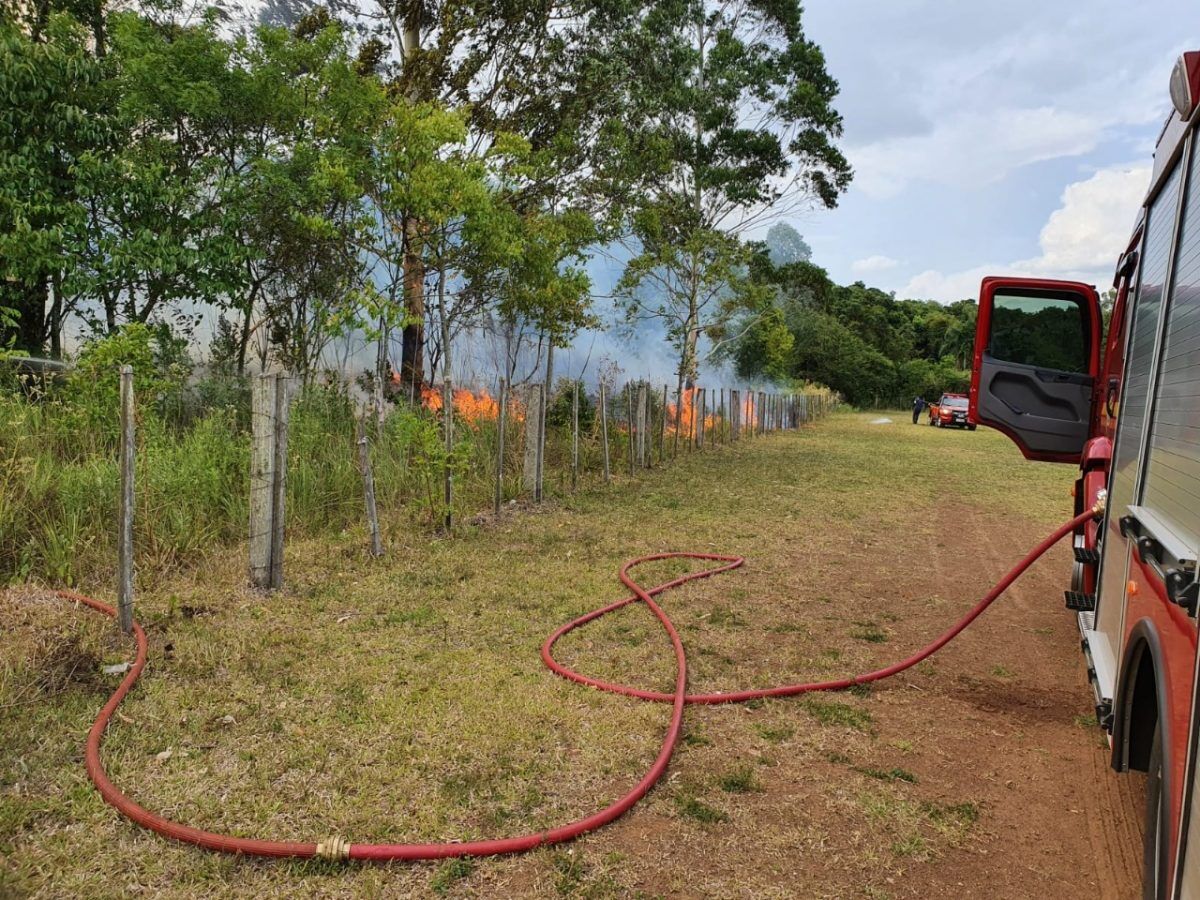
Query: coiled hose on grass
339,848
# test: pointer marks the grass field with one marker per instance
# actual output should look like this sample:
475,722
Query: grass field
404,699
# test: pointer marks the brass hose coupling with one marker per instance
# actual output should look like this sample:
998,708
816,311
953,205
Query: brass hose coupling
334,848
1101,502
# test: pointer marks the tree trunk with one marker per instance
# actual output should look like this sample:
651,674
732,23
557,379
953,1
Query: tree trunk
31,317
412,347
244,339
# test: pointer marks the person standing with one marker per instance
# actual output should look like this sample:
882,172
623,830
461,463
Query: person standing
918,405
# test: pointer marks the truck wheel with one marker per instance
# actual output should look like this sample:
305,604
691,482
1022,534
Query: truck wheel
1154,838
970,428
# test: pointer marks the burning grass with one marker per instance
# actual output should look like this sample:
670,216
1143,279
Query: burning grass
403,698
472,407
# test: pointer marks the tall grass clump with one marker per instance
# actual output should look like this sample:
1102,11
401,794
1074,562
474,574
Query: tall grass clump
59,479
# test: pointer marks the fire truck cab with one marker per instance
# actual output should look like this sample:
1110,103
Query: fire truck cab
1125,407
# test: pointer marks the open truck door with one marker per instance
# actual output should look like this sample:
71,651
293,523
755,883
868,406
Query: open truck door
1037,360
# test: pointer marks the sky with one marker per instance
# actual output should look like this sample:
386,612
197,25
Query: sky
1001,138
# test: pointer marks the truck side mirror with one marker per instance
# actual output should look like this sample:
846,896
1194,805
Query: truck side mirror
1037,355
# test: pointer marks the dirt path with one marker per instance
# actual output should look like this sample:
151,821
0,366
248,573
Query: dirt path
980,773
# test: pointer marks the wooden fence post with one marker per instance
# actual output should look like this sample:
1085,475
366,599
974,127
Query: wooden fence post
662,429
262,479
629,420
379,405
604,432
501,423
279,494
448,436
641,422
541,453
533,415
574,434
678,422
368,477
125,535
691,425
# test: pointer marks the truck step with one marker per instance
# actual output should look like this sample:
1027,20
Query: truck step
1087,556
1080,602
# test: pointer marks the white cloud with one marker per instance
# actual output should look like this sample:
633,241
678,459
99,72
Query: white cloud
946,288
875,263
973,149
1092,225
964,95
1081,240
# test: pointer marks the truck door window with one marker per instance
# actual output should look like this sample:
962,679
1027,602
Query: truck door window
1043,331
1171,483
1160,230
1139,353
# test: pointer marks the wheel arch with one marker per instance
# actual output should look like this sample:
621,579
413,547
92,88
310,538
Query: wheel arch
1140,702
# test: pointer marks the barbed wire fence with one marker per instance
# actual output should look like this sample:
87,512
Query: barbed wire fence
329,452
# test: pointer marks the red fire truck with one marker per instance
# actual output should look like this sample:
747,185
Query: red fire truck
1128,414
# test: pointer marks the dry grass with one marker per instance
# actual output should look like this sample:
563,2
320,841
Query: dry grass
404,698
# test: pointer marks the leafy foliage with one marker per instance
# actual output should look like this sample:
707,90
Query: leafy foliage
864,343
48,126
735,121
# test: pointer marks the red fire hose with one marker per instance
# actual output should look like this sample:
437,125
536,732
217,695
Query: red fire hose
339,848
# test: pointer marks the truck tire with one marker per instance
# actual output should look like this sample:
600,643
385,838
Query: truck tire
1157,826
970,428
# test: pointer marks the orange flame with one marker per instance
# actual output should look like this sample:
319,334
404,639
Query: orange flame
472,407
748,417
683,420
687,418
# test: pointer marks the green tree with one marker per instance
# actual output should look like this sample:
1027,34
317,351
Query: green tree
785,245
734,122
767,347
858,340
297,148
52,117
693,282
544,70
152,239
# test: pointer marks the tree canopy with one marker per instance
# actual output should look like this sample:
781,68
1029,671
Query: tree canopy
863,342
393,167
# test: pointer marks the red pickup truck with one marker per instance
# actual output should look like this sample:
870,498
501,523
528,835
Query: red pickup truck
950,410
